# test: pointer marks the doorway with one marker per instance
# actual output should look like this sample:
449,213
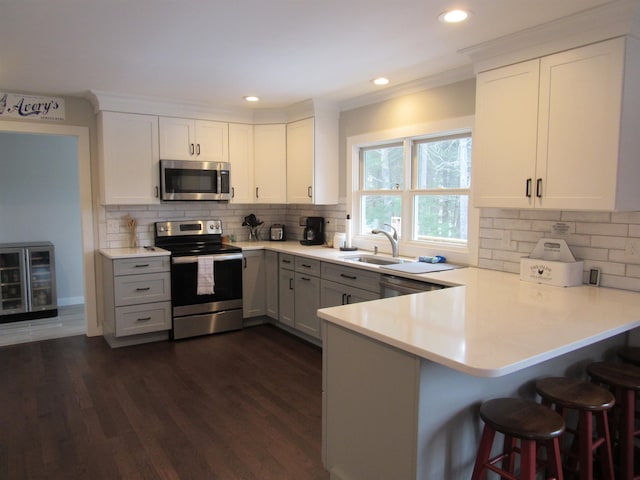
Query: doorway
81,135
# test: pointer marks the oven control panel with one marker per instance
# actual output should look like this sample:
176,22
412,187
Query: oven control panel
214,226
189,227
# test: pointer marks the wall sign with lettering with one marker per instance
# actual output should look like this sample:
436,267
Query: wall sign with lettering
16,105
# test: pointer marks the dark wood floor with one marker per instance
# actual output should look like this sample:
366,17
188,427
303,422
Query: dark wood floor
240,405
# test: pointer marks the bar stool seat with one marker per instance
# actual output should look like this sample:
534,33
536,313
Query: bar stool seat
624,380
524,420
630,355
589,400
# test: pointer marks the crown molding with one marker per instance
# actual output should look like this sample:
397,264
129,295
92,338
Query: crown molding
613,19
164,107
448,77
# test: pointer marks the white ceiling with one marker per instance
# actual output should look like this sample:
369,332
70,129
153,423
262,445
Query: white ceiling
213,52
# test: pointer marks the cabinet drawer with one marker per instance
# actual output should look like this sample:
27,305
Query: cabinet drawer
308,266
151,287
137,265
136,319
354,277
286,261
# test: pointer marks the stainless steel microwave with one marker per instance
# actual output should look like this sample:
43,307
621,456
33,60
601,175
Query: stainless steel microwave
189,180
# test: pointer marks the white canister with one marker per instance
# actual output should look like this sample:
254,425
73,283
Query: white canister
339,239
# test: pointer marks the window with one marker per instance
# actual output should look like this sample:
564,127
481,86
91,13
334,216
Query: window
421,186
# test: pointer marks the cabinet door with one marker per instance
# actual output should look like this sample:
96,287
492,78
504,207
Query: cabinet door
241,159
307,302
253,284
271,280
286,297
270,167
177,138
505,135
300,157
212,141
129,158
333,294
579,122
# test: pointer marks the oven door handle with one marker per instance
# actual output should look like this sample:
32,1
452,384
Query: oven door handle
216,258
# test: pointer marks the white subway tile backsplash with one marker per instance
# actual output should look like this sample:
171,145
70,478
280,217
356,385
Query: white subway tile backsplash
614,229
634,230
512,224
601,239
604,241
625,217
540,215
603,217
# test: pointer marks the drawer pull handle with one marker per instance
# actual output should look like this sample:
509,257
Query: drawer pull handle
306,265
142,265
350,277
142,289
286,261
144,319
306,279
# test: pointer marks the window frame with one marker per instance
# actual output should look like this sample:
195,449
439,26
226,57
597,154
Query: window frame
462,253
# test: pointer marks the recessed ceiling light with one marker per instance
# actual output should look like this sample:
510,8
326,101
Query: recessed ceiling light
380,81
454,16
251,98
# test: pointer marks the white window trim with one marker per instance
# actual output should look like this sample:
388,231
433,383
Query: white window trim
466,255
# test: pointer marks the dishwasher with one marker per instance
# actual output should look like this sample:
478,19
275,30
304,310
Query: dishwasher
393,286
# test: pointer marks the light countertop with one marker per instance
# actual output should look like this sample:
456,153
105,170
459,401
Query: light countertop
128,252
493,324
489,324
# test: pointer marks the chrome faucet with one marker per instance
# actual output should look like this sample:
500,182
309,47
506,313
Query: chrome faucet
392,238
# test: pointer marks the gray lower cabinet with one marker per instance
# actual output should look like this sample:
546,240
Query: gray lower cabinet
286,292
344,285
137,299
253,289
271,283
299,294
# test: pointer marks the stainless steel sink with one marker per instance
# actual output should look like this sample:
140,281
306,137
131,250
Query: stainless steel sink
375,260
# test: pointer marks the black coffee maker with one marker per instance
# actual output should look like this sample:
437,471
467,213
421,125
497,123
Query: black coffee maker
313,233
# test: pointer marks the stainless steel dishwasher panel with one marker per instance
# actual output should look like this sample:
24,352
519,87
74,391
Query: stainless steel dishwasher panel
394,286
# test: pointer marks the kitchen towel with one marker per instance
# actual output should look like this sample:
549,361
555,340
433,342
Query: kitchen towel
206,282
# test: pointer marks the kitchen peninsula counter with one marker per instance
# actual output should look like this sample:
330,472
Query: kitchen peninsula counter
403,377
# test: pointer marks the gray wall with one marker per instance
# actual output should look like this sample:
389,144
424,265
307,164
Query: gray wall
40,200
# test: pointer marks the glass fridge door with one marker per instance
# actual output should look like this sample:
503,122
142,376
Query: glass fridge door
42,278
13,290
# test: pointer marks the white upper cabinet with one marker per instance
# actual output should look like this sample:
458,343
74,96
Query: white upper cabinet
560,132
270,163
241,159
128,158
300,161
188,139
312,160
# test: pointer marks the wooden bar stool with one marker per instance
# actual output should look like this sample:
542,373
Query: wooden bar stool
624,381
591,402
523,420
630,355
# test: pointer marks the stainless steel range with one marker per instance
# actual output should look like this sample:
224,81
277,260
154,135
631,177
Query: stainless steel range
206,277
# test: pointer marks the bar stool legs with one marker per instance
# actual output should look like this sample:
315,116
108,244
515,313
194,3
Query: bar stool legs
518,420
624,380
592,403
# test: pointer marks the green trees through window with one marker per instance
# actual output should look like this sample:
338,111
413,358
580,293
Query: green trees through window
437,198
